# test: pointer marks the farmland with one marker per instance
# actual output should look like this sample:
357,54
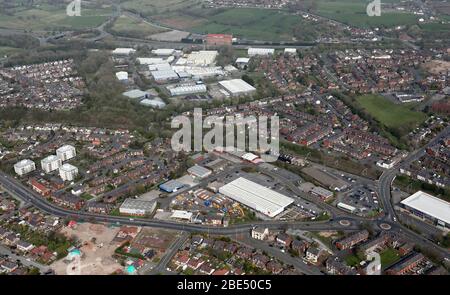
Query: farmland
127,26
52,18
353,12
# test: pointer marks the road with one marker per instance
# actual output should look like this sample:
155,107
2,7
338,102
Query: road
170,253
286,258
387,178
15,187
25,261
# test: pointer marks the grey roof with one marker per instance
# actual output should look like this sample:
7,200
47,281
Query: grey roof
199,170
134,204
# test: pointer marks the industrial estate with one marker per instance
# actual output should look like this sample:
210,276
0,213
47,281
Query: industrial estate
90,184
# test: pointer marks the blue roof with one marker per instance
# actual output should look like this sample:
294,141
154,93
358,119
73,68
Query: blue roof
171,186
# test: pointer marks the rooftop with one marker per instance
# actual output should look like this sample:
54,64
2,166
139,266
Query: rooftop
429,205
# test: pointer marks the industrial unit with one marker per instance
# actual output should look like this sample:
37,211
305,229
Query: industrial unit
237,87
199,171
137,207
171,186
256,196
260,51
187,89
429,208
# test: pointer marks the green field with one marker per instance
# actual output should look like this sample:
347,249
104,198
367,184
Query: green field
51,18
6,50
353,12
128,26
389,113
389,256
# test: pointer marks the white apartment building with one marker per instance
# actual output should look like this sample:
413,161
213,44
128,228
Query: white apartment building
68,172
23,167
66,152
51,163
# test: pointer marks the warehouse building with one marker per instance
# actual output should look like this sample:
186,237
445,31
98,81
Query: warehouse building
199,171
68,172
136,94
187,89
202,58
260,51
51,163
154,103
428,208
256,196
237,87
137,207
66,152
290,51
171,186
122,76
163,51
23,167
123,51
164,75
150,60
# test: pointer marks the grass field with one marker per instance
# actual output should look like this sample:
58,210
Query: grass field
388,257
353,12
47,17
6,50
128,26
389,113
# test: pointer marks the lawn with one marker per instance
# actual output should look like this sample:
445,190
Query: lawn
389,113
352,260
389,256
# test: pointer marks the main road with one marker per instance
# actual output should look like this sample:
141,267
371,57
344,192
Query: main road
387,178
16,188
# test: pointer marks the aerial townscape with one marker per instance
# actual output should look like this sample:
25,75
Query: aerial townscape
91,183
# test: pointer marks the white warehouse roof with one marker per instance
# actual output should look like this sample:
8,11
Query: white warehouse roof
150,60
123,51
163,51
260,51
121,76
256,196
237,86
429,205
164,75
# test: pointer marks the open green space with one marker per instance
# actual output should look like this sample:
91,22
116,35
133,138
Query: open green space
353,12
389,113
52,17
6,50
128,26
